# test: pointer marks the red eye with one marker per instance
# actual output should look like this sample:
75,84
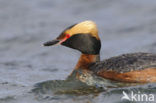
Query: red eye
67,35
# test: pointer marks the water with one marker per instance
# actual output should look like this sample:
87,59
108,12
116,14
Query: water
124,27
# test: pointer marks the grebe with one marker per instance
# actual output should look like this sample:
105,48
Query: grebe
132,68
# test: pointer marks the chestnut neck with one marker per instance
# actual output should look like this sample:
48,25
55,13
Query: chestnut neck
85,60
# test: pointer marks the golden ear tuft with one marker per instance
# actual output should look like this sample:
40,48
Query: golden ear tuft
86,27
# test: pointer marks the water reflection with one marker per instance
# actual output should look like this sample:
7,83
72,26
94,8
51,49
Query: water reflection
70,86
86,84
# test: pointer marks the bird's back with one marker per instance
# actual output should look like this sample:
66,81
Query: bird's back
135,67
126,63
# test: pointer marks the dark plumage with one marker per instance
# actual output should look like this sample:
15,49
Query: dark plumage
126,63
90,44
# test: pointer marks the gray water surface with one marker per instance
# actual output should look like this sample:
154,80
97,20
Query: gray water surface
125,26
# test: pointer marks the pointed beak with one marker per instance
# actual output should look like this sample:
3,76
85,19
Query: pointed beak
52,42
55,41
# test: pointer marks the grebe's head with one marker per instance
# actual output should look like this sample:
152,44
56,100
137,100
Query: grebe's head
82,36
